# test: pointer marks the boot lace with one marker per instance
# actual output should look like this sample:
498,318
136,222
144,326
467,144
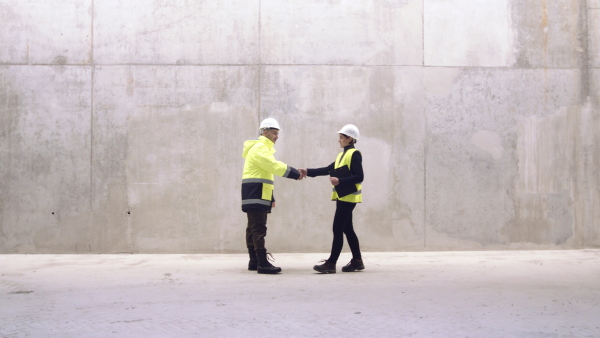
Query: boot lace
326,263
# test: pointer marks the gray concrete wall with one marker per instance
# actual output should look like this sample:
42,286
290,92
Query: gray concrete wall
122,122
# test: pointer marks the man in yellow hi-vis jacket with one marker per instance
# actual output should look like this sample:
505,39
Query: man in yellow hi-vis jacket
257,191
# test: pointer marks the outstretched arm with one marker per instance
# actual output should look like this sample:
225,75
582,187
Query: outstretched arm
319,171
266,161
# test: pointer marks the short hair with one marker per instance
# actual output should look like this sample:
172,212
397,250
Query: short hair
353,139
262,130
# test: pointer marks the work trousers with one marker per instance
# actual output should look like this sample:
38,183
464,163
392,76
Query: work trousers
256,231
342,224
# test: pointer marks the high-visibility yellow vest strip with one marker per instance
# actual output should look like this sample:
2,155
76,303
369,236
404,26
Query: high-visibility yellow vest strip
256,201
354,193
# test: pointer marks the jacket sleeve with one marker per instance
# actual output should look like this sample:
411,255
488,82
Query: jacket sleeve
267,162
320,171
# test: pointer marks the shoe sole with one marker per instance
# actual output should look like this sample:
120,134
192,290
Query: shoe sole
323,271
353,270
262,272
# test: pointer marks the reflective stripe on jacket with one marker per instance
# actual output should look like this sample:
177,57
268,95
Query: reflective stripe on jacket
259,170
345,158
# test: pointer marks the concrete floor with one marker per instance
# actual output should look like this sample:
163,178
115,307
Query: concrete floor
439,294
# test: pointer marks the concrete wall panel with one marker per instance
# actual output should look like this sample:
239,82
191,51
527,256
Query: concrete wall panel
343,32
594,37
590,158
176,32
482,33
503,33
13,35
498,156
45,147
548,33
166,178
591,123
42,32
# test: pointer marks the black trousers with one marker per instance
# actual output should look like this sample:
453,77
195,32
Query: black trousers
342,224
256,231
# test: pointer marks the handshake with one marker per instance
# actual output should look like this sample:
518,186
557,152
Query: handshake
304,172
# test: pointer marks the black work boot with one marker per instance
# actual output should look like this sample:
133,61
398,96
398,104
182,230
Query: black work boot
252,264
326,267
264,266
355,264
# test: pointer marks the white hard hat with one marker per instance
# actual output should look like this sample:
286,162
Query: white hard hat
350,130
269,123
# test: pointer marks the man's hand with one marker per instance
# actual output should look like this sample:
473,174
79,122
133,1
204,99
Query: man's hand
334,180
273,205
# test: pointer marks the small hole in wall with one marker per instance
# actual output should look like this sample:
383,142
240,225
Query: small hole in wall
129,213
53,213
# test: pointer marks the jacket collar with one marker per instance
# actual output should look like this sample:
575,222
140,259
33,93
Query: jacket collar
266,141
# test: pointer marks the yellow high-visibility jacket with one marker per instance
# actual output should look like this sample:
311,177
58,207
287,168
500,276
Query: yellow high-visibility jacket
259,170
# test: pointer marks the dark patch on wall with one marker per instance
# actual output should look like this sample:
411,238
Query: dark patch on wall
541,219
60,60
